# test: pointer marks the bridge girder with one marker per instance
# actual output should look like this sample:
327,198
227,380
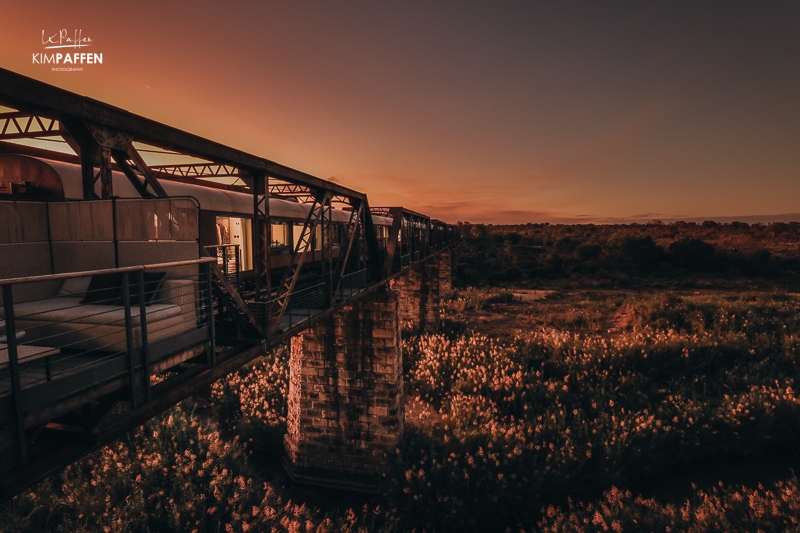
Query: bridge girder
107,138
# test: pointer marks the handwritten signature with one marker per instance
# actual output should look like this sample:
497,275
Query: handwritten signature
62,39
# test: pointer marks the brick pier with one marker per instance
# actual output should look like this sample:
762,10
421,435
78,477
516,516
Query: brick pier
346,396
446,260
420,289
346,381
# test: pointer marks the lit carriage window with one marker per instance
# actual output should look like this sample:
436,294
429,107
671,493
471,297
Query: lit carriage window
318,237
223,230
234,230
383,235
280,234
297,232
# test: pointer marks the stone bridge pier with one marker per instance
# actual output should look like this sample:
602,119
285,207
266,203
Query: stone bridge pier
420,288
346,396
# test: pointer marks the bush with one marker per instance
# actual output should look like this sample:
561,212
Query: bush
693,254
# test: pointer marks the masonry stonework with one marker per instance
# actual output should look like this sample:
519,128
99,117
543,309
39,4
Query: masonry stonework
446,262
346,395
420,288
419,296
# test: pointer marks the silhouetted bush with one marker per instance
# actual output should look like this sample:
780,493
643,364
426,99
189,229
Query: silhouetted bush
585,252
513,237
692,254
641,254
621,255
510,274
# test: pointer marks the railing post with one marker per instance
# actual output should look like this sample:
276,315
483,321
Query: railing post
238,288
263,306
289,298
238,270
143,328
126,295
212,346
13,366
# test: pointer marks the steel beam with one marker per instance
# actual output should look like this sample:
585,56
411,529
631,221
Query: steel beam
32,96
149,177
262,235
122,161
26,126
299,254
353,229
394,233
121,145
198,170
373,251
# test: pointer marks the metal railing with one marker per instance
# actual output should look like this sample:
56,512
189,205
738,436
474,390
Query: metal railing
115,332
111,329
303,304
228,260
353,283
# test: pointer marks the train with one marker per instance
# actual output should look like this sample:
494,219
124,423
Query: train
224,216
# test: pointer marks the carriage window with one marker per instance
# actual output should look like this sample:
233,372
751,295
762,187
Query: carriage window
280,234
297,231
318,238
233,230
383,236
316,243
335,234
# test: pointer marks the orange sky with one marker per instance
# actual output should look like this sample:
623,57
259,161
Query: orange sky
522,112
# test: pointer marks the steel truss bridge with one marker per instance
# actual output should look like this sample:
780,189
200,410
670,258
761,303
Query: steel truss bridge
63,392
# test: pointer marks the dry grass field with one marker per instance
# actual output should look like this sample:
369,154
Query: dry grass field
666,403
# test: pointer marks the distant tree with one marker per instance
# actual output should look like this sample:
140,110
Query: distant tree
692,254
588,251
641,252
566,244
554,264
510,274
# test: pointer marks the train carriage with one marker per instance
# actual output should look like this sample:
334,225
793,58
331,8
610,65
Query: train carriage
224,216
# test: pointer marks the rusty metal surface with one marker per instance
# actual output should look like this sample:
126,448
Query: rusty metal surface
34,97
19,169
26,126
107,138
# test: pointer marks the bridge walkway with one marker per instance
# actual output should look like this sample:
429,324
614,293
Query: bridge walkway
87,391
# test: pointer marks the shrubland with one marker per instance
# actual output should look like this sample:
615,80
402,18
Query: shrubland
566,409
634,255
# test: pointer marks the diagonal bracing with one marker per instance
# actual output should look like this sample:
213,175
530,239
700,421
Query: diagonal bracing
25,126
292,273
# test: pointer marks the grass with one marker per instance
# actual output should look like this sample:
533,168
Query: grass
552,421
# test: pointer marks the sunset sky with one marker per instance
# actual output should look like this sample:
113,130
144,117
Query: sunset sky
501,112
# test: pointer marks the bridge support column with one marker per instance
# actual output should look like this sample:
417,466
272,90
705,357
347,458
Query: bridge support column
446,262
420,288
346,396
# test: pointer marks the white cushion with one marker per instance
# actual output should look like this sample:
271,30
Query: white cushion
71,310
73,286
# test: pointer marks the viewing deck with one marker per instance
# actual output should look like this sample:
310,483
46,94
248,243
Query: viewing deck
129,284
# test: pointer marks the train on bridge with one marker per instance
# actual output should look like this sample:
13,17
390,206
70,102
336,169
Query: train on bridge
128,285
